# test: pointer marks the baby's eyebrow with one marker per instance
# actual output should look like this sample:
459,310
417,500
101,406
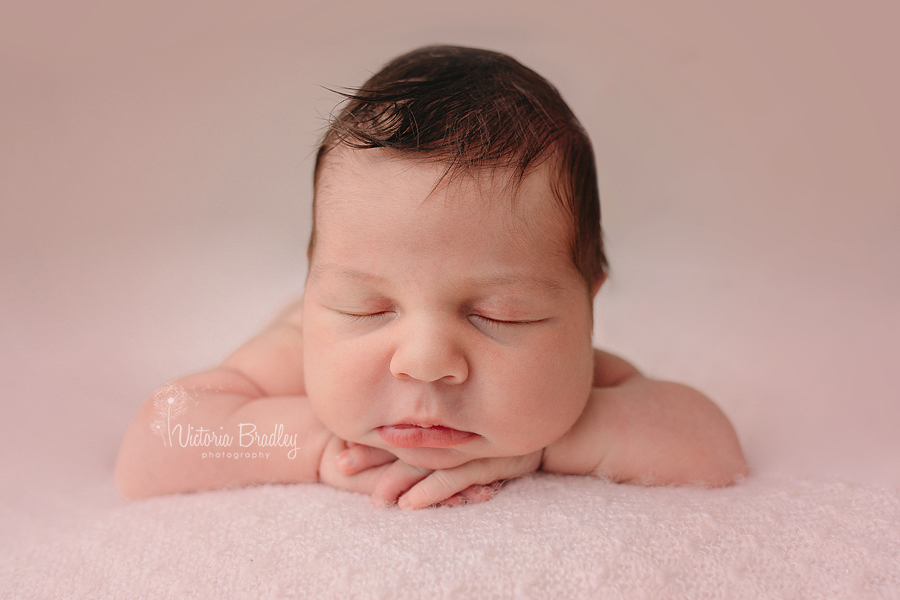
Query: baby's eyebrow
546,284
531,281
347,272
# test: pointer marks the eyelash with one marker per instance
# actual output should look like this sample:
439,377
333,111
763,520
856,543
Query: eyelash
500,323
356,317
497,323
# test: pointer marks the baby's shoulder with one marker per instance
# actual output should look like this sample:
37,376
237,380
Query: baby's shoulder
611,370
292,314
274,358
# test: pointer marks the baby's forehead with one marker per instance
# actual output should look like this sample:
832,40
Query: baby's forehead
370,204
360,173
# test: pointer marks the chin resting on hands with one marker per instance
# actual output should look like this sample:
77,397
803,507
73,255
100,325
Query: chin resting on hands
377,472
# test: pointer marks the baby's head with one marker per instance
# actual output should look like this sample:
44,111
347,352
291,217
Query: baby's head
456,249
475,111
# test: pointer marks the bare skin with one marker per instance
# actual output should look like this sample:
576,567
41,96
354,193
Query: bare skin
633,429
442,345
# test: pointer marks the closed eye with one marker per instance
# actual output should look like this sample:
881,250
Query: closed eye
362,316
501,322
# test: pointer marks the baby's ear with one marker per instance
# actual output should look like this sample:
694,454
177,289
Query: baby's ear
598,281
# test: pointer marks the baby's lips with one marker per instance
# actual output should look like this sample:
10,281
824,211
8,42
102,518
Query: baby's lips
405,435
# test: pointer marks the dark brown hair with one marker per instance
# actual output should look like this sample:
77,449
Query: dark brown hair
472,109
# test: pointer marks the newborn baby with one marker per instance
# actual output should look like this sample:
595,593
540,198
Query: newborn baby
443,340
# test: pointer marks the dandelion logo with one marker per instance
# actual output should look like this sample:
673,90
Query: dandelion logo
171,401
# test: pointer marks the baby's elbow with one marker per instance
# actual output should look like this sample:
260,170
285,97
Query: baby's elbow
727,468
132,475
125,484
722,462
717,460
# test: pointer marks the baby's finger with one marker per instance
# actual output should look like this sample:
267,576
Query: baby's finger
364,482
443,484
440,487
357,458
395,480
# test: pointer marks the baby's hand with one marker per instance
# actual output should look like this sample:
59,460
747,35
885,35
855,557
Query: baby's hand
353,467
413,487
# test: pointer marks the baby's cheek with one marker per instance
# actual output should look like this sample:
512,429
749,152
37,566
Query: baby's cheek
343,387
546,402
322,370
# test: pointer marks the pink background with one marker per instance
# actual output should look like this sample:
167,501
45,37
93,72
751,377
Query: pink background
155,180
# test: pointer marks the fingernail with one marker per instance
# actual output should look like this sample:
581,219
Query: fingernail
345,459
404,503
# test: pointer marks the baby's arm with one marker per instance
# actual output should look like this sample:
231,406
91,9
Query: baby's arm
261,384
638,430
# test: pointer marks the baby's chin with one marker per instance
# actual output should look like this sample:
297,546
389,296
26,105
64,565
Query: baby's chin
433,458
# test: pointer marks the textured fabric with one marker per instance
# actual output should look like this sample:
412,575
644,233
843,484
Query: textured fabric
543,536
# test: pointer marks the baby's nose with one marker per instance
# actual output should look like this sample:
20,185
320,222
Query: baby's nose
429,352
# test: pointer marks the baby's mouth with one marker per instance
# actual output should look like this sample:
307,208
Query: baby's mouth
408,435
